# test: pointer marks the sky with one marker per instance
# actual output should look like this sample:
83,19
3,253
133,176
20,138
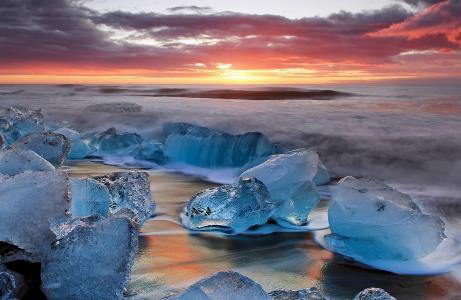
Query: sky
228,42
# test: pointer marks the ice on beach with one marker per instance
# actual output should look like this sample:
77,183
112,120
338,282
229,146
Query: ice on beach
7,284
150,151
13,162
78,149
204,147
91,259
289,179
89,197
27,202
112,142
17,122
129,190
373,294
226,285
51,146
371,220
234,207
305,294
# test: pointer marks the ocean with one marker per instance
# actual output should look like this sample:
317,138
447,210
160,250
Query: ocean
406,135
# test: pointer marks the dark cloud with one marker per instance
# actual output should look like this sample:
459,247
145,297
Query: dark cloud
422,3
190,8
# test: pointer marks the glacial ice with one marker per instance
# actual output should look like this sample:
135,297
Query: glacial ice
204,147
7,284
129,190
288,177
13,162
17,122
89,197
150,151
370,220
91,259
305,294
78,149
111,142
234,207
373,294
27,202
51,146
226,285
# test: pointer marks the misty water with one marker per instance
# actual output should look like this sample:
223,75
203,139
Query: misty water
407,135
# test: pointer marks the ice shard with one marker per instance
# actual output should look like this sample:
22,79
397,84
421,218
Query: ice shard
17,122
89,197
373,294
371,220
233,208
208,148
51,146
226,285
289,179
78,149
150,151
91,259
28,201
129,190
13,162
305,294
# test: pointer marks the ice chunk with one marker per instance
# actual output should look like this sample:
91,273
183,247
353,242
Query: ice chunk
305,294
13,162
7,284
288,177
373,294
89,197
27,202
234,207
51,146
111,142
92,259
129,190
204,147
18,122
371,220
323,175
226,285
78,148
150,151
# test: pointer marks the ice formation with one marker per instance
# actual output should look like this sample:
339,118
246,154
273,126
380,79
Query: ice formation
7,284
371,220
150,151
373,294
305,294
40,196
13,162
89,197
78,149
92,258
226,285
111,142
204,147
51,146
234,207
129,190
289,179
17,122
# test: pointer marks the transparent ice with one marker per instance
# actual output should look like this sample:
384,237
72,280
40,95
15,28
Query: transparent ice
51,146
92,258
373,294
13,162
112,142
288,177
89,197
374,221
129,190
7,284
305,294
234,207
204,147
226,285
150,151
79,149
16,122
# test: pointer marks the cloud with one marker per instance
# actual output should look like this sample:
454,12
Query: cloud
59,37
190,8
